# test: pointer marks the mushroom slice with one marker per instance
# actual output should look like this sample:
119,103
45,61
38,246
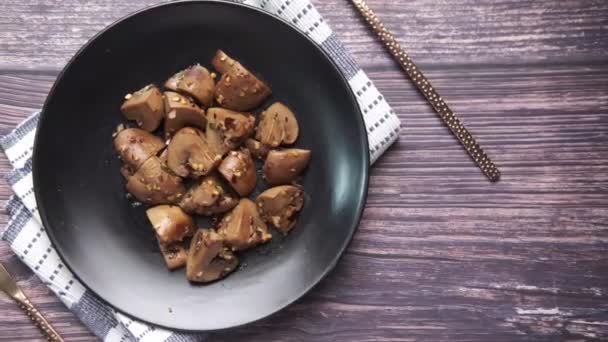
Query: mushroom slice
170,223
174,254
189,155
207,258
243,227
208,197
239,170
145,106
154,184
238,89
283,166
182,112
279,205
226,129
197,82
278,126
256,148
135,146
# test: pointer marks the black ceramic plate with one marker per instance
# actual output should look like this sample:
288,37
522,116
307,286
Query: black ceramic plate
109,244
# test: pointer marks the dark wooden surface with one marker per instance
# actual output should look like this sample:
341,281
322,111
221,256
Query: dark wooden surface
441,254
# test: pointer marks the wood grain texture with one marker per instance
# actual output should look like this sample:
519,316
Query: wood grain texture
441,253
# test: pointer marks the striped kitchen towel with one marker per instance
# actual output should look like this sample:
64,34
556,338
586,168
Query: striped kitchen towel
29,241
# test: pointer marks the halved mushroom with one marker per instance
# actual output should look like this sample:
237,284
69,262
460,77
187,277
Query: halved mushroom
239,170
126,171
182,112
145,106
174,254
172,82
222,265
278,206
135,146
170,223
283,166
256,148
243,227
197,82
153,184
189,155
226,129
222,62
278,126
163,156
207,258
238,89
208,197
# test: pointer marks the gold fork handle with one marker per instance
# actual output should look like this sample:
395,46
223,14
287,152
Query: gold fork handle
39,320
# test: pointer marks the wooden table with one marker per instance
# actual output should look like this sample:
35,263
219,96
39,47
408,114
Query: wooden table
441,254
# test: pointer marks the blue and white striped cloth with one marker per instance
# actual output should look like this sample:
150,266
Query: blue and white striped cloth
28,238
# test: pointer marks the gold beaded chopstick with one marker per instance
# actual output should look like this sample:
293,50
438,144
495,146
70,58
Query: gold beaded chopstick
9,286
424,86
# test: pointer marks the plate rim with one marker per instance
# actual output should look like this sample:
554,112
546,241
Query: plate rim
363,137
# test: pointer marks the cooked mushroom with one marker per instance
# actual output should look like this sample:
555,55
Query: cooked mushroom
222,265
278,126
208,197
163,156
135,146
256,148
174,254
126,171
203,142
170,223
207,258
182,112
197,82
239,170
243,227
153,184
189,155
226,129
204,247
283,166
222,62
172,82
238,89
278,206
145,106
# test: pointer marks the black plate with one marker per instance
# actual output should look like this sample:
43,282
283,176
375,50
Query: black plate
109,245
